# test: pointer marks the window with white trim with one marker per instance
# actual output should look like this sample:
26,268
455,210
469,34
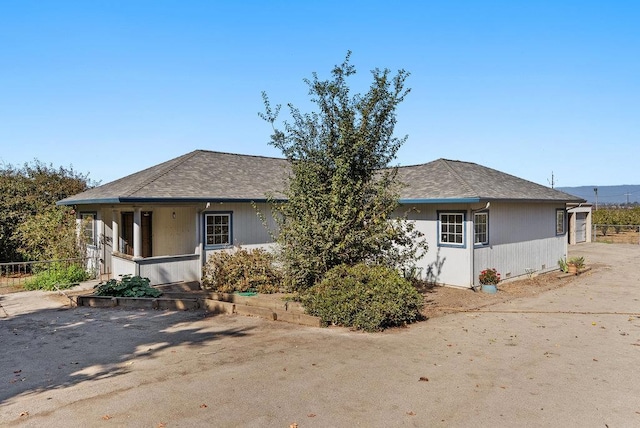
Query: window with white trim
218,229
559,222
451,228
481,228
88,225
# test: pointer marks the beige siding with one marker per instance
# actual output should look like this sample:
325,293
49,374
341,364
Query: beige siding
174,236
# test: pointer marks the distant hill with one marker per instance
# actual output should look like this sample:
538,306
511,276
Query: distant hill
607,195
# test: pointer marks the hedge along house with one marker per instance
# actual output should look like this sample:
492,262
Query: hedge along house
164,221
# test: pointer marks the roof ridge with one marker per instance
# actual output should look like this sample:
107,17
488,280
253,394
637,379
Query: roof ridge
241,154
458,177
164,171
413,165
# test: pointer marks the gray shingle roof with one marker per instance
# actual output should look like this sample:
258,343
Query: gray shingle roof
204,175
445,179
199,175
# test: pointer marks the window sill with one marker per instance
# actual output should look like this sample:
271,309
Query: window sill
449,245
218,247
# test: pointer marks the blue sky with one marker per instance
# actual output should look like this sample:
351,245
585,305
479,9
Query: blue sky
528,88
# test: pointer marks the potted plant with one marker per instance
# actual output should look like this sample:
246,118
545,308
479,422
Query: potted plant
575,265
489,279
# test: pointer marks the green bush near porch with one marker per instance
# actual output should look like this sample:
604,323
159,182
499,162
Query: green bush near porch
62,277
365,297
128,286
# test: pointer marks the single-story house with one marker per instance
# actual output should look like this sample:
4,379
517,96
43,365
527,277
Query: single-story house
164,221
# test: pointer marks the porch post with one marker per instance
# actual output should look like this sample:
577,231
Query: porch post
137,233
115,239
572,228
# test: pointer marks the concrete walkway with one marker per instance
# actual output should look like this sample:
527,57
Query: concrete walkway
567,357
25,302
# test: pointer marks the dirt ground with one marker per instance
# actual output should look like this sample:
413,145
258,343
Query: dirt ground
445,300
561,357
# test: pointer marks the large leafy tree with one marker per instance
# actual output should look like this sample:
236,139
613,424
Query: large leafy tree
341,192
31,225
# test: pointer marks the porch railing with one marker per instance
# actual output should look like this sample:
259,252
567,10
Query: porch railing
159,269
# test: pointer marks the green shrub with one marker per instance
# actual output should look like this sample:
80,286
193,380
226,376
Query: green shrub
55,275
562,263
241,270
128,286
365,297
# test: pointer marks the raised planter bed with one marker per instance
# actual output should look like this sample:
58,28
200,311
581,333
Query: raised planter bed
270,307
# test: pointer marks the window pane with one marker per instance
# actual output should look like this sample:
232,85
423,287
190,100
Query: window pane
88,228
217,229
451,228
480,228
559,222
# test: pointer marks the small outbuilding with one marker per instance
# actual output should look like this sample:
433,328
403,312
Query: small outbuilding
580,223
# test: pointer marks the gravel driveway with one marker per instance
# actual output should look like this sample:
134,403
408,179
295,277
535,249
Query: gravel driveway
568,357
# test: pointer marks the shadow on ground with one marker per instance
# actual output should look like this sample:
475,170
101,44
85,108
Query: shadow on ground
55,348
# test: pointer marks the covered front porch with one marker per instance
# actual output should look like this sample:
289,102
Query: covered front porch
170,242
154,241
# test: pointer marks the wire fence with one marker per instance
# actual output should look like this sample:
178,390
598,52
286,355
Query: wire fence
616,233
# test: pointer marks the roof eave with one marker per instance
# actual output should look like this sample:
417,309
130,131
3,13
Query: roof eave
481,199
70,202
129,200
439,201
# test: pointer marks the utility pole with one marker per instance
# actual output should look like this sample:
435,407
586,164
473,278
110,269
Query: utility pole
553,181
595,190
627,195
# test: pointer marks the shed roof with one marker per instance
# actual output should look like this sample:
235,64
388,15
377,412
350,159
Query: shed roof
204,175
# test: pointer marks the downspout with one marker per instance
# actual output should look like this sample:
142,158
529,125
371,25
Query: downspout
472,249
